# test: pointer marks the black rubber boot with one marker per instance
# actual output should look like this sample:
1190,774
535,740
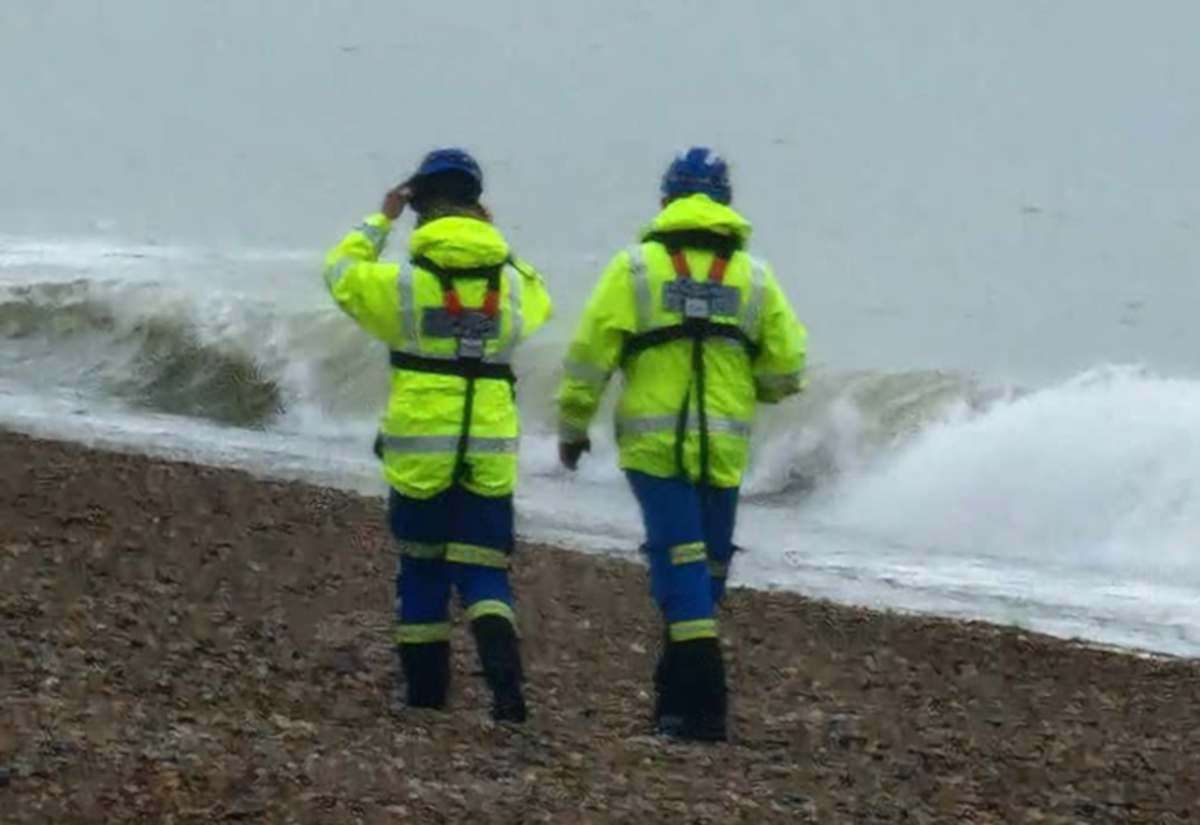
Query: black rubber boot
668,706
700,670
426,673
500,657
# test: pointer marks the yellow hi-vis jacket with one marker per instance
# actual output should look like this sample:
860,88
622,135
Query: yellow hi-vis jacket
452,413
696,353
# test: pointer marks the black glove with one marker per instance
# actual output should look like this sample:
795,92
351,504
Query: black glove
570,451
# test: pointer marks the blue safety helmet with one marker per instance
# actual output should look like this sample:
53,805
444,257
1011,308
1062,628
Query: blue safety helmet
451,160
699,170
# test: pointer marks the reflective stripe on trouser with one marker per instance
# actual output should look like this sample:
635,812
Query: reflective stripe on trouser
683,592
455,552
676,551
687,553
417,633
694,629
455,539
423,597
678,514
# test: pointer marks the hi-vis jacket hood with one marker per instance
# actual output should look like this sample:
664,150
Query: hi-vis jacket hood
697,349
459,242
699,212
430,407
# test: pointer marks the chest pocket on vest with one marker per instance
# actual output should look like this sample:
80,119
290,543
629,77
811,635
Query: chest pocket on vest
701,299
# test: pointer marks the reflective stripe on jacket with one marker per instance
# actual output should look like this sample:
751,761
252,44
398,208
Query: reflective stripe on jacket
659,413
422,424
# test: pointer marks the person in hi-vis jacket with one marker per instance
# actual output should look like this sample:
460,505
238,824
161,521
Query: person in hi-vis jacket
451,315
701,332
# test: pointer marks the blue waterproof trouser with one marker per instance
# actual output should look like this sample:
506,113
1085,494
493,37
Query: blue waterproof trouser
689,544
458,539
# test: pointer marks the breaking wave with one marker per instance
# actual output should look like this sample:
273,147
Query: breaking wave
80,336
243,362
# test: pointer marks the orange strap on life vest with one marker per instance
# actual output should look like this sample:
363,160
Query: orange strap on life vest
453,303
716,273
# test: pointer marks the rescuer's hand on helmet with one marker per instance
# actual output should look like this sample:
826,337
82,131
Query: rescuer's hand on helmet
395,200
570,451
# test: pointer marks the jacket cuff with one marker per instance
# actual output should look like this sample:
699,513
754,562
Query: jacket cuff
378,219
570,434
375,228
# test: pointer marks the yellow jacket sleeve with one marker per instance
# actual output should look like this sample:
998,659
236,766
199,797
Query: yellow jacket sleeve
536,305
783,341
364,288
594,352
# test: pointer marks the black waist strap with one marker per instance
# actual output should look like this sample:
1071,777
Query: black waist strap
462,367
694,329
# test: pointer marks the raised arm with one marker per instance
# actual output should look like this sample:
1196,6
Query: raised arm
364,288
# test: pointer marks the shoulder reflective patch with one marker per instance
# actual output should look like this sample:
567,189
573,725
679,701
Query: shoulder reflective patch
758,277
516,324
408,314
641,286
700,299
437,322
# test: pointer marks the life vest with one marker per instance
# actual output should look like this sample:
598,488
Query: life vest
696,302
470,329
